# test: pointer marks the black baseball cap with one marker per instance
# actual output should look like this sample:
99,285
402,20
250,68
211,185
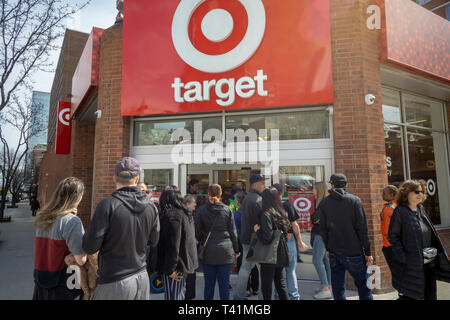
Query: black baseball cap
338,179
127,168
256,178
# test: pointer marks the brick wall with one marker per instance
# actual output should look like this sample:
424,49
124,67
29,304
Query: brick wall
358,128
55,167
112,140
82,156
72,47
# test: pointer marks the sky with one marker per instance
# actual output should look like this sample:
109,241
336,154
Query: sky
99,13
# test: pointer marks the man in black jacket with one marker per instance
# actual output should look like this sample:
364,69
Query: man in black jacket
123,229
251,212
346,238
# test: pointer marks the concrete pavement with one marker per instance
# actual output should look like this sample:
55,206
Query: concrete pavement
17,261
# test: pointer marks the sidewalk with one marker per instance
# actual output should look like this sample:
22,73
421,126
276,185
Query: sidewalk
17,254
17,261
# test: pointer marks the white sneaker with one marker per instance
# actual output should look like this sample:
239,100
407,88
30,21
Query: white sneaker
323,295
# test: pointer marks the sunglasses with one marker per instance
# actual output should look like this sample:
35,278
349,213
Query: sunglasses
419,192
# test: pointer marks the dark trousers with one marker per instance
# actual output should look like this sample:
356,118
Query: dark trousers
57,293
430,289
253,280
190,286
356,266
33,212
273,274
387,252
221,274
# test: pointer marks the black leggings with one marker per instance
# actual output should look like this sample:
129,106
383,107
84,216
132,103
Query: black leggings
269,274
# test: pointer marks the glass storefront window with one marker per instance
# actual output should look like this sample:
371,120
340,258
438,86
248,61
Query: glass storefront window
391,106
416,148
394,153
301,178
159,132
423,112
291,125
157,179
423,166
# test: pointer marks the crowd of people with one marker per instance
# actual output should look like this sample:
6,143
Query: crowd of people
178,235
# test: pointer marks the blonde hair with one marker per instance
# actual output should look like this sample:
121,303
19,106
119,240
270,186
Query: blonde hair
65,198
321,190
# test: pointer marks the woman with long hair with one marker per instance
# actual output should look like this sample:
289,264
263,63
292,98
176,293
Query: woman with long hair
417,250
59,232
320,260
274,217
177,251
215,226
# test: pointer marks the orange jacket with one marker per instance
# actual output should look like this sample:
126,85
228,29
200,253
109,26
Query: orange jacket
386,215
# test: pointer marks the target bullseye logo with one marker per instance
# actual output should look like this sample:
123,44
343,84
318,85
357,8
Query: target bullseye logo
64,116
302,204
217,26
431,187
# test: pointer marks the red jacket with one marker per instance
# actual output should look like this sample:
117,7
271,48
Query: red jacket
386,215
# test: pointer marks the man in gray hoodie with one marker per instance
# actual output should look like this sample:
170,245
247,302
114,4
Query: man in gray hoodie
125,226
345,234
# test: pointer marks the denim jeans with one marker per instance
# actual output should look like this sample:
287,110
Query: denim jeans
240,292
291,274
356,266
321,262
221,273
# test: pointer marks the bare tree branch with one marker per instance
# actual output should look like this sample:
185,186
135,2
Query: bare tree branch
29,31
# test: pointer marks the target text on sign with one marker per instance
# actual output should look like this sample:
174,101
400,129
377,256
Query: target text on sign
245,87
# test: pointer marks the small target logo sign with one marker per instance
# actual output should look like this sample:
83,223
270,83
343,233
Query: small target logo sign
431,187
64,116
302,204
239,25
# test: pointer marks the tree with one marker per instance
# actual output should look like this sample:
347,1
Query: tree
29,30
18,117
16,187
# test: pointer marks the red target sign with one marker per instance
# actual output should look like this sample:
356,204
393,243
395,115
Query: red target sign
303,203
211,55
63,128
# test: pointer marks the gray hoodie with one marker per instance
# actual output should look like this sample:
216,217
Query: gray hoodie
123,228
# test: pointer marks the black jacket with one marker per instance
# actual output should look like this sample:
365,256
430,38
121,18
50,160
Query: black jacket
222,245
177,248
251,212
405,236
266,233
122,229
343,224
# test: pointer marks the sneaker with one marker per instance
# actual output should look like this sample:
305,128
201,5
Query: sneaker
323,295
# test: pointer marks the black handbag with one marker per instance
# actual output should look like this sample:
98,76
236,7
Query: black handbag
201,247
264,253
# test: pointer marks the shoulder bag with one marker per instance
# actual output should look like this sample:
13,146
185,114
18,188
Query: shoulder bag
264,253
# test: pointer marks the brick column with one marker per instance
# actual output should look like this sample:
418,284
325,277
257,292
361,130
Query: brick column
112,137
82,155
358,128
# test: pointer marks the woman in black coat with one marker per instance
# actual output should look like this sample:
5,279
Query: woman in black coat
274,217
177,247
221,248
410,231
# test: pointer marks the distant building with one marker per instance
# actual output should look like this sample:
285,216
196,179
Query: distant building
40,108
